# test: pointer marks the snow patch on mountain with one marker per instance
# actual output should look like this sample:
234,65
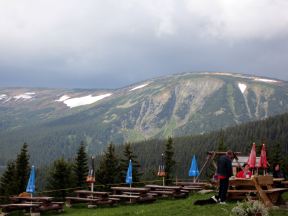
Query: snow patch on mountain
3,96
25,96
242,87
139,87
86,100
258,79
63,98
265,80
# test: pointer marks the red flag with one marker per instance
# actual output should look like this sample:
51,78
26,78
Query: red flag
263,159
252,157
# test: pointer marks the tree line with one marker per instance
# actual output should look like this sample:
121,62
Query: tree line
64,175
112,165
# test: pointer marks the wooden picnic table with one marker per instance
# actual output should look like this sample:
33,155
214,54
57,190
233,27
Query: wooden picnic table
168,191
7,208
87,193
260,186
132,194
19,199
130,189
34,204
92,198
192,186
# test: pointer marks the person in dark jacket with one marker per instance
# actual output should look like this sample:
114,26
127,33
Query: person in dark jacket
224,172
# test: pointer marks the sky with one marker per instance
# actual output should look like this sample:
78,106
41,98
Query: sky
115,43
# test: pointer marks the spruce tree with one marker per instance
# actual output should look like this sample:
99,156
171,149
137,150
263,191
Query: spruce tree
108,172
8,181
22,169
128,154
80,167
222,147
276,155
168,160
60,178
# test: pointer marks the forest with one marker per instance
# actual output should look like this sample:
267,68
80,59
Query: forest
111,166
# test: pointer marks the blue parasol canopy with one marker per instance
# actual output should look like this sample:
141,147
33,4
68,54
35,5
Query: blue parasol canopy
194,168
129,174
31,182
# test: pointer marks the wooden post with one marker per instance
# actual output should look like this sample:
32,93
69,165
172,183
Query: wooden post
263,196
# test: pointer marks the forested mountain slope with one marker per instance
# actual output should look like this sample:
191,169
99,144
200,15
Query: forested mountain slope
54,121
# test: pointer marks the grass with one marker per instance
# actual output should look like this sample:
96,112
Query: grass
181,207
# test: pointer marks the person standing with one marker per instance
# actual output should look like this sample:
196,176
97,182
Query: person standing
224,172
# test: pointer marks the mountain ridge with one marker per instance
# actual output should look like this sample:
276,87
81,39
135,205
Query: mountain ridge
174,105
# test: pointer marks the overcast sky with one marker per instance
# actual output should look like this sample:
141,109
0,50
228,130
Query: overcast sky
113,43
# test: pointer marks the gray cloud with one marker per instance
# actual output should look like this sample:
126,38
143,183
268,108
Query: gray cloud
109,44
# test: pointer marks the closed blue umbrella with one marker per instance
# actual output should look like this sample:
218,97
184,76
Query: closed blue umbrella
194,171
129,174
31,182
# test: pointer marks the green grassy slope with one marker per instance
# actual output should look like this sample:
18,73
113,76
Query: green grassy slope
183,207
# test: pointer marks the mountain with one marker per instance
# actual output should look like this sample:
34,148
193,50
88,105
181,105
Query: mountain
54,121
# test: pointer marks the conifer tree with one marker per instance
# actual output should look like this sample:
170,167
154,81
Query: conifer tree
8,183
276,155
128,154
108,172
60,178
222,147
168,159
22,169
80,167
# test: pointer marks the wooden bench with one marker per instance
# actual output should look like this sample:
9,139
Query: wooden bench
57,206
7,208
168,191
269,195
71,200
125,197
143,194
33,204
92,198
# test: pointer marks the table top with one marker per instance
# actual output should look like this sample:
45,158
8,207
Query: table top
92,192
164,187
241,181
34,198
131,189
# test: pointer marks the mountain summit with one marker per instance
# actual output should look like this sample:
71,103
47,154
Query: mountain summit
54,121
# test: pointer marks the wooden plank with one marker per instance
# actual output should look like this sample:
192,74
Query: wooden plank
124,196
264,180
132,193
273,190
163,187
132,189
241,182
91,192
263,196
164,192
242,191
82,199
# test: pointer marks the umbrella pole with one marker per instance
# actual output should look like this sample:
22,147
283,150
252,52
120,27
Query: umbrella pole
130,193
163,179
92,187
31,195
